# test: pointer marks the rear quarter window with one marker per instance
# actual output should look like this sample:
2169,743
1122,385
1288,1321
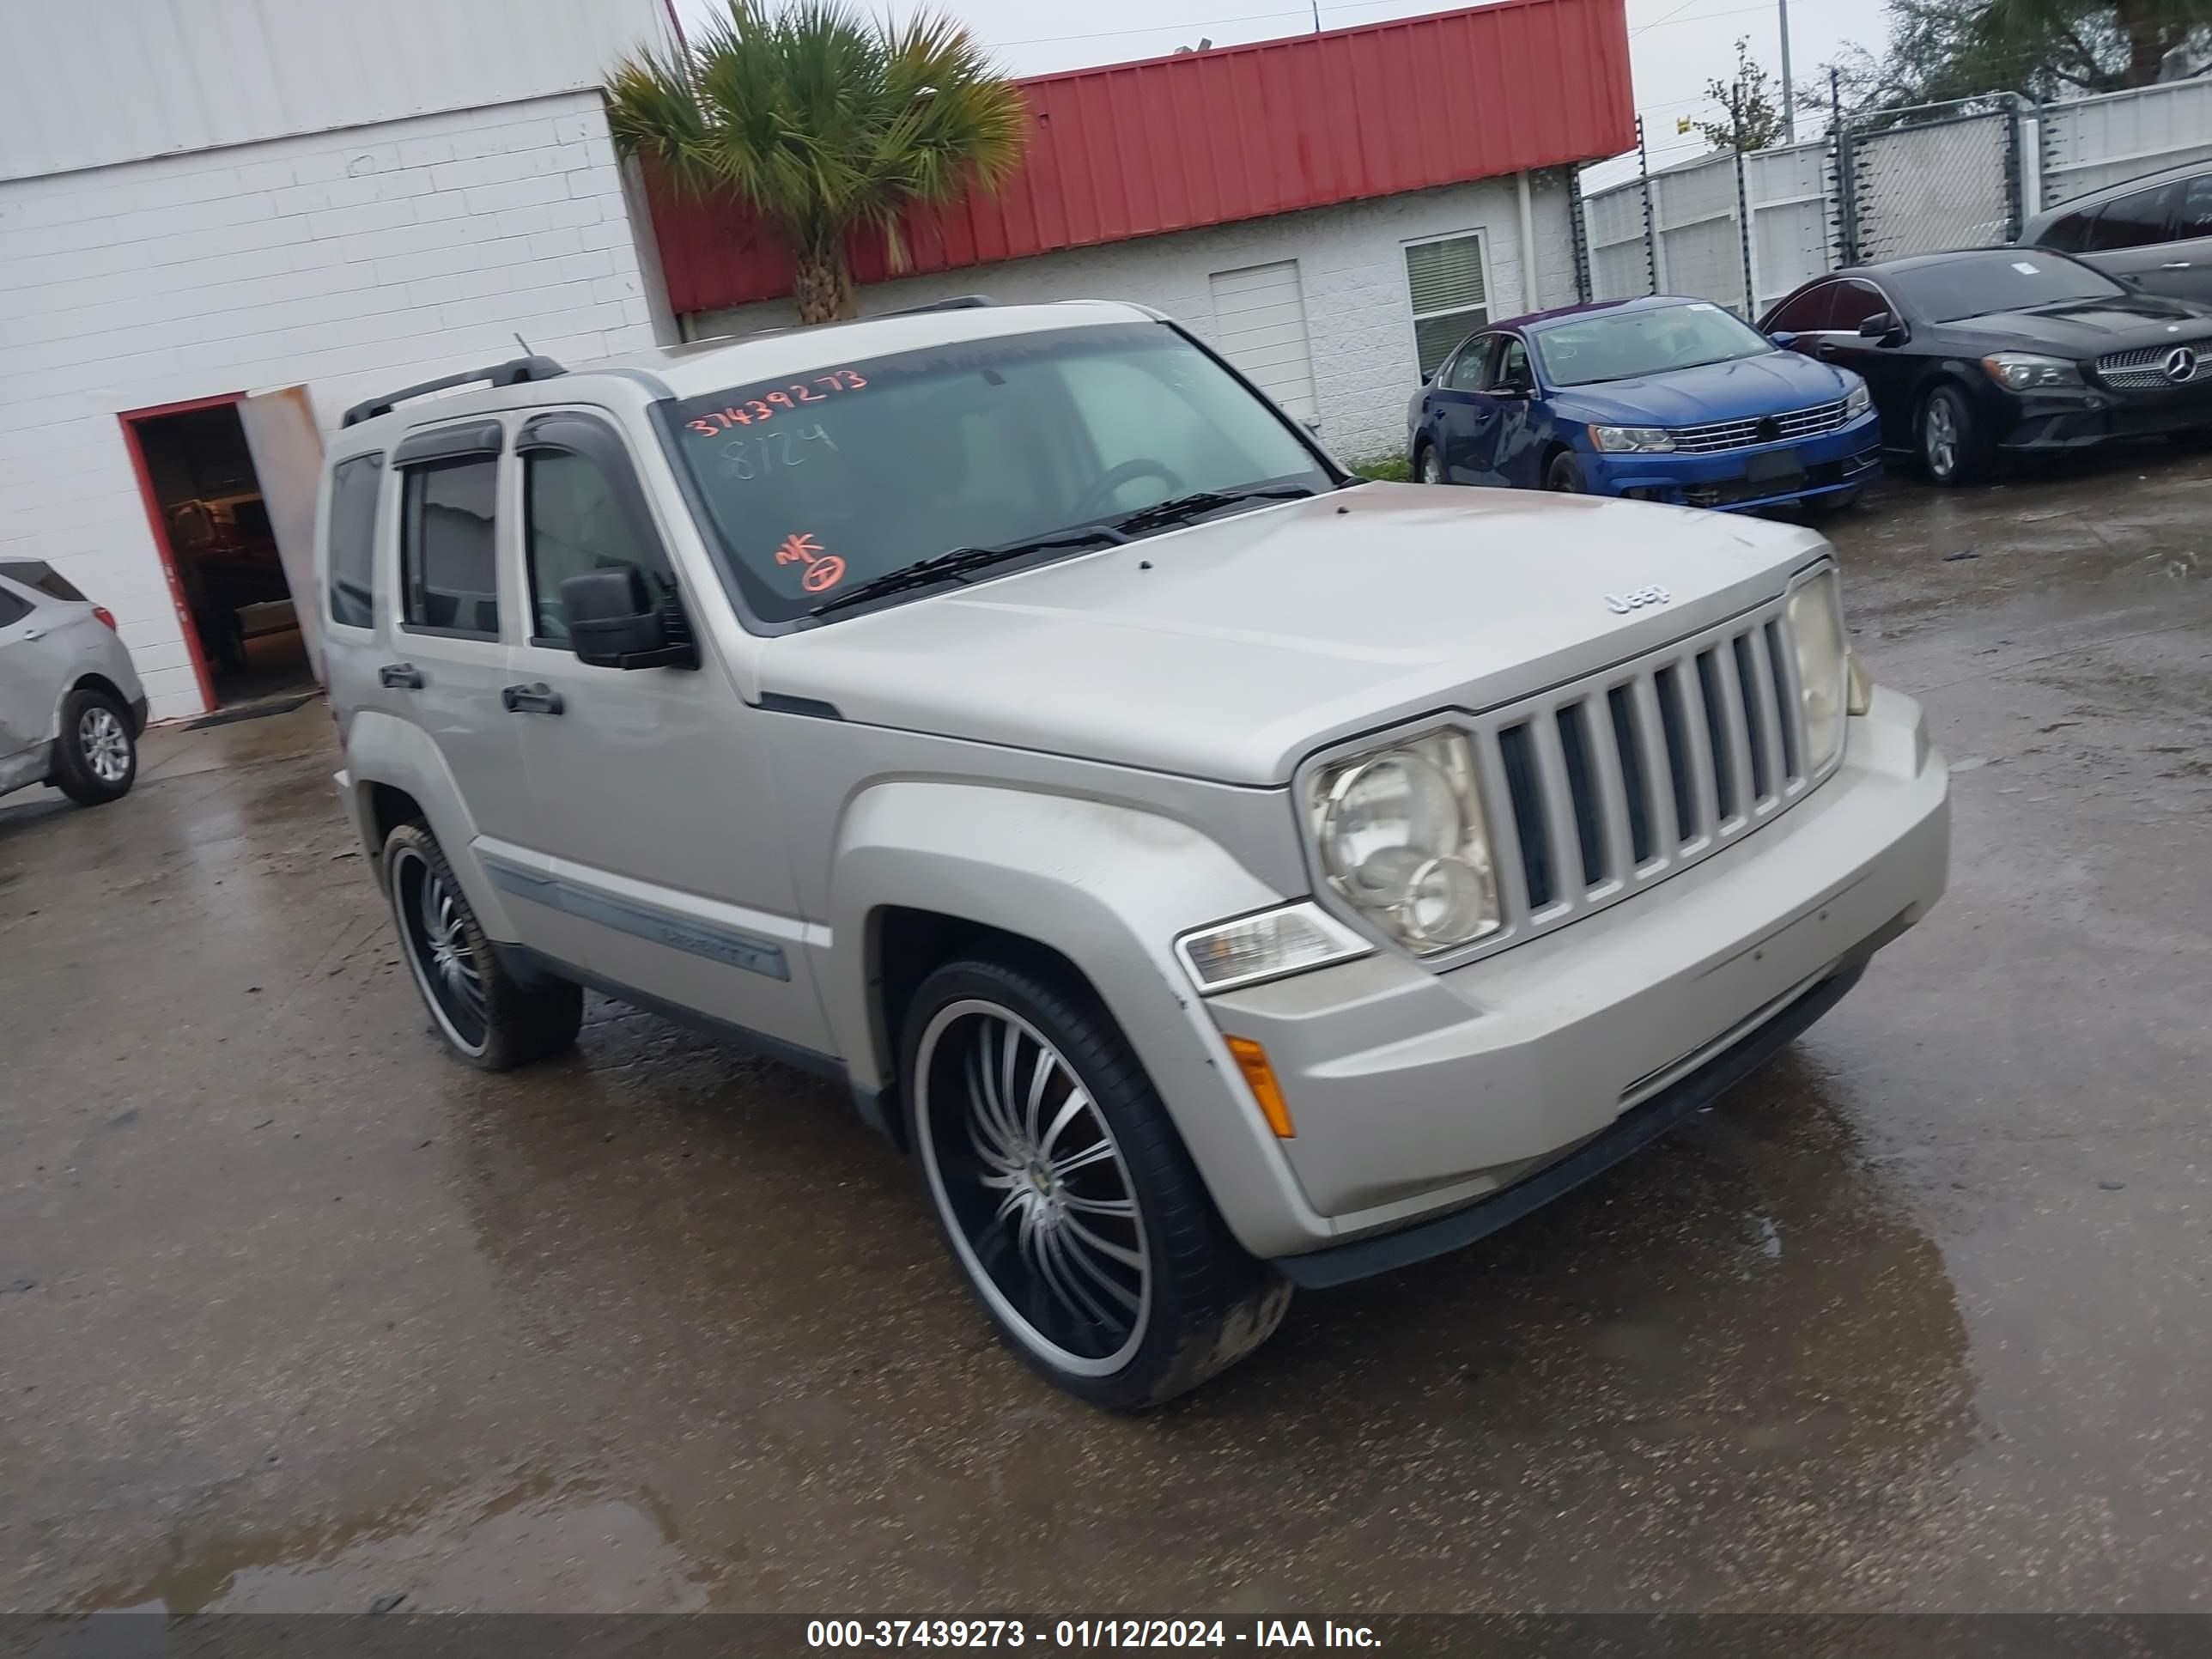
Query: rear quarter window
355,486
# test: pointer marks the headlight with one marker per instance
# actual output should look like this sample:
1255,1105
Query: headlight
1266,946
1631,439
1400,834
1816,625
1857,401
2020,371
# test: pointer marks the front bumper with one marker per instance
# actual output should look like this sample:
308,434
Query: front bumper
1416,1094
2082,420
1845,459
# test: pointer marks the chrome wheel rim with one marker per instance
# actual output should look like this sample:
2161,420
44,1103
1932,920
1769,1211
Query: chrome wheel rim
105,745
1941,438
1032,1188
1432,469
434,925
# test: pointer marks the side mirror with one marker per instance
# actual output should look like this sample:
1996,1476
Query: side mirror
615,622
1882,325
1784,339
1427,375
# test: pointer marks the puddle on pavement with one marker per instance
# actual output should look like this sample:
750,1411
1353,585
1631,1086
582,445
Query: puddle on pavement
536,1542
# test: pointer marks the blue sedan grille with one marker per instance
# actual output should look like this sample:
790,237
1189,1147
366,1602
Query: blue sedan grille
1759,429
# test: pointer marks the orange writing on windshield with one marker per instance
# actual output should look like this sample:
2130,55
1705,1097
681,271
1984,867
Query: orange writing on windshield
716,422
823,570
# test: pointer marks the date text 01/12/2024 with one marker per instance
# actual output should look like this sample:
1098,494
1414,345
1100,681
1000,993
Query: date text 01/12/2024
1065,1633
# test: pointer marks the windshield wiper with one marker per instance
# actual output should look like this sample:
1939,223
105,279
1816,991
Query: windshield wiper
1178,509
958,562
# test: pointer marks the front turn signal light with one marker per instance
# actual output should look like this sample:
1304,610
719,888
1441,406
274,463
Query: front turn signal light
1259,1076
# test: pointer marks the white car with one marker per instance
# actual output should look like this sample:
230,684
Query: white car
70,705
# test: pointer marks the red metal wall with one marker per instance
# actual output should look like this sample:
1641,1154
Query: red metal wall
1207,138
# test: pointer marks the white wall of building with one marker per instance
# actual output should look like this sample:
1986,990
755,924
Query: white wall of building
1352,270
85,84
353,262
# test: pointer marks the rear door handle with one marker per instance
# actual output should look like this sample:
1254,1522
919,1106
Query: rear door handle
30,634
539,699
2175,265
404,675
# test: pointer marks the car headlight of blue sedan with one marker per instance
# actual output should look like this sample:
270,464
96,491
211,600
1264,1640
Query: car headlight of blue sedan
1857,401
1632,440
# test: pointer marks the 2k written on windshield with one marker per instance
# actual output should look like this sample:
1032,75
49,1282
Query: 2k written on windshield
816,485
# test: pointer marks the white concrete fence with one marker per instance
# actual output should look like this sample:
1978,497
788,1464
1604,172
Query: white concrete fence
1943,176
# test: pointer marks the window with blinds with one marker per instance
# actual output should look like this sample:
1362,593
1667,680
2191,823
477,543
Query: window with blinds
1445,280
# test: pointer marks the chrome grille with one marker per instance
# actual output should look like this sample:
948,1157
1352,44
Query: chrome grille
1598,789
2145,368
1742,435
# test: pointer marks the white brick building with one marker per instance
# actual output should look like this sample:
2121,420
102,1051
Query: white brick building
344,199
1333,210
1317,306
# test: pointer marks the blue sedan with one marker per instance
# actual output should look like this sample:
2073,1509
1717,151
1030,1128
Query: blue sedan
1661,399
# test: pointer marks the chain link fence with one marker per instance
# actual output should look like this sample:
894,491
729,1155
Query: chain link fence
1742,230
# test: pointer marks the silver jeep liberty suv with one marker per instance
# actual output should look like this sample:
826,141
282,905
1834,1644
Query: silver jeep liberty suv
1217,874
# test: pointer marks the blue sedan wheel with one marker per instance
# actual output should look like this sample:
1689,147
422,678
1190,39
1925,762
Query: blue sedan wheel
1432,466
1565,474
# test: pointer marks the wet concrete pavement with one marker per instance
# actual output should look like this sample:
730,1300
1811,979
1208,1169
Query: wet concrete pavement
296,1314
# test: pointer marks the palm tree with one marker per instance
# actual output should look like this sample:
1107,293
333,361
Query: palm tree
825,121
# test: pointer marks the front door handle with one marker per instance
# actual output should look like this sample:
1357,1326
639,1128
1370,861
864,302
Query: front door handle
30,634
2175,265
401,675
539,699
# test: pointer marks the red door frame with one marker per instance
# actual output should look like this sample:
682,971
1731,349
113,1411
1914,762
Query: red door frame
129,418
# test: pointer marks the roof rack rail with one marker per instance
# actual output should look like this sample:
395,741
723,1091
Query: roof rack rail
516,371
958,302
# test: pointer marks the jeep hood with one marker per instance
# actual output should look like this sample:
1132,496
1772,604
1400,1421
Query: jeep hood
1229,650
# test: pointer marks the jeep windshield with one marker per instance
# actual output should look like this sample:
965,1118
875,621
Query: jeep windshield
816,485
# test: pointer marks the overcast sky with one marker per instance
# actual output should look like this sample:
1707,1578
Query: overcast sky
1675,45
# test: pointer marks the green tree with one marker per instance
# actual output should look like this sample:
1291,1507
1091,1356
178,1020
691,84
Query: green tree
1754,120
1944,50
825,121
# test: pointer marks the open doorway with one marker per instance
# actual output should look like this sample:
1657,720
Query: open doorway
205,505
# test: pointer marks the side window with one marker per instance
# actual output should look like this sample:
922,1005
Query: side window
1855,303
1466,371
1444,281
1805,313
573,521
2194,217
2135,221
1513,367
2070,234
448,565
12,609
352,538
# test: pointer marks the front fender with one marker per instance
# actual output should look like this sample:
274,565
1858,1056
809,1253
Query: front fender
1109,887
380,749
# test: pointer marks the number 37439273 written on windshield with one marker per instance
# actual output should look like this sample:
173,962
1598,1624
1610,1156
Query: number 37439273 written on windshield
750,411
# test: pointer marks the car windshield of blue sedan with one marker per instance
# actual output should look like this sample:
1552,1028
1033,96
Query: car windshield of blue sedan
1626,345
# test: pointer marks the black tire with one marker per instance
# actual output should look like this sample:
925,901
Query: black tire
1843,501
482,1012
1954,449
1565,474
1181,1301
1426,460
95,753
